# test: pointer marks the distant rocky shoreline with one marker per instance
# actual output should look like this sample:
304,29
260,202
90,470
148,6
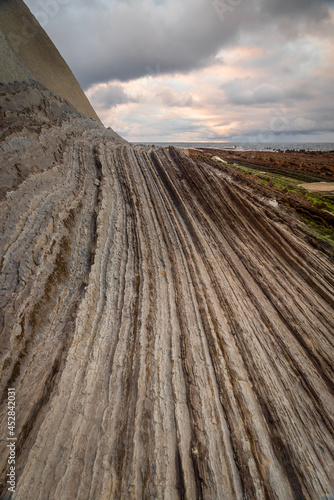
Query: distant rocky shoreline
314,163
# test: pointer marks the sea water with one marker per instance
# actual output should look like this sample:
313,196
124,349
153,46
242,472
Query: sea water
249,146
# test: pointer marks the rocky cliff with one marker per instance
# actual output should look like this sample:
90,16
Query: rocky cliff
27,42
168,332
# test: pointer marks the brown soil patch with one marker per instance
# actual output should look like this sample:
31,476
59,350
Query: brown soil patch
319,187
315,163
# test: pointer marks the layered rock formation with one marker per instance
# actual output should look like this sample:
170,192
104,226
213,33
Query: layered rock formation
168,332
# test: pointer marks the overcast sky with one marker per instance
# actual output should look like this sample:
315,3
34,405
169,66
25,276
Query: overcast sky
201,70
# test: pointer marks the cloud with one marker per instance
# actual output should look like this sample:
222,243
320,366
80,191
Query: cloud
109,96
173,99
246,92
312,10
196,70
123,40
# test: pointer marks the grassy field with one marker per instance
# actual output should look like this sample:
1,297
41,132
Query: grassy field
290,182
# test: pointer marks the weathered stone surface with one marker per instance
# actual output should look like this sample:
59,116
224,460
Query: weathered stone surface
27,42
167,334
36,128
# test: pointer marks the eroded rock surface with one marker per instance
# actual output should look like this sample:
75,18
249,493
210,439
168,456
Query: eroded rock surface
26,50
168,332
168,329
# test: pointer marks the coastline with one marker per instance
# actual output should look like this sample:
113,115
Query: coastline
314,164
244,146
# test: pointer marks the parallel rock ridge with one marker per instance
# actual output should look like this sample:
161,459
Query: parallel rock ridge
169,334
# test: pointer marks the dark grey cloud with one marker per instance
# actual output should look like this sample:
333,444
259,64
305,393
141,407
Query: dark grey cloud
123,40
174,99
110,97
168,130
314,10
249,93
255,58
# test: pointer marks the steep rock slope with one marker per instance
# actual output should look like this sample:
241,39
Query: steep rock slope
167,334
11,69
33,48
35,128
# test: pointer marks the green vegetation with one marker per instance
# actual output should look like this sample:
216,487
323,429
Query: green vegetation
320,232
284,182
294,177
290,182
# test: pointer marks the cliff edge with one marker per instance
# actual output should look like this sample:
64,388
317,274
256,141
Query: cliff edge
29,52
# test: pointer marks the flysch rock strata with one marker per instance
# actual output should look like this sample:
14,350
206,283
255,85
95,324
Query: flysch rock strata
168,332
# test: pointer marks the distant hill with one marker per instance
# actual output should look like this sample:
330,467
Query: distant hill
27,52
